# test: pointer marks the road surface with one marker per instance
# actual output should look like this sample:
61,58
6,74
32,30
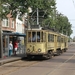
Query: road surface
58,65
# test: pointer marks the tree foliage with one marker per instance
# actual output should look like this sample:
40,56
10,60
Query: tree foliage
47,13
63,24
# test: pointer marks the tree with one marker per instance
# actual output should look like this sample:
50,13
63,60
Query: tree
47,13
21,6
63,25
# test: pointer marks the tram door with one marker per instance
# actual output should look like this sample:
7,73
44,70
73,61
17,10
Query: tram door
55,42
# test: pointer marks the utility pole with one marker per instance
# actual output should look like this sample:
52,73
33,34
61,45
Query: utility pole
1,45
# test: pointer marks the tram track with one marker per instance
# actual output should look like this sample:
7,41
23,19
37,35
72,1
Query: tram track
20,65
14,66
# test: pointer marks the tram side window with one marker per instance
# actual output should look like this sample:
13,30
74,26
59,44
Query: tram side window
49,38
41,36
29,37
52,38
38,37
58,39
44,37
62,40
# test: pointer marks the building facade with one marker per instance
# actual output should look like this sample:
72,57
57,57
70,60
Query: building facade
11,29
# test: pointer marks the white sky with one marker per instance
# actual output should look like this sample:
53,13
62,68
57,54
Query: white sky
67,7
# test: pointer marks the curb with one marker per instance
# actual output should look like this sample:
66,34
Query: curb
9,60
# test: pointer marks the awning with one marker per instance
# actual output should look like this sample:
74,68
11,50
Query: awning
15,34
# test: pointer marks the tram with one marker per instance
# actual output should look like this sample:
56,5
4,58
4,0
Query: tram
45,43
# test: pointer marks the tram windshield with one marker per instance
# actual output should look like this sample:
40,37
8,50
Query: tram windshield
36,36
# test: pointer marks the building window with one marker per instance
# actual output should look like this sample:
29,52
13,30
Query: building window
12,24
5,23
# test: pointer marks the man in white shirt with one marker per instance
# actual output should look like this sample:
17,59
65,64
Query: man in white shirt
10,48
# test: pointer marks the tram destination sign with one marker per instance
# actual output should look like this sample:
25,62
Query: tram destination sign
35,26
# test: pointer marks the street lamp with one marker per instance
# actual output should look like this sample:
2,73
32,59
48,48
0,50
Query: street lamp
29,11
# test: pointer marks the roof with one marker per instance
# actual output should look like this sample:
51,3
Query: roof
15,34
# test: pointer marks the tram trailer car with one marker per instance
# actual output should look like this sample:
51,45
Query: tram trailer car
48,44
64,43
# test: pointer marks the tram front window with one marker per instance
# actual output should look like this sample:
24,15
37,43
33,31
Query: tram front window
33,36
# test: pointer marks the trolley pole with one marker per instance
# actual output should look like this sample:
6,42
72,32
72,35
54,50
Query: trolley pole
1,46
37,16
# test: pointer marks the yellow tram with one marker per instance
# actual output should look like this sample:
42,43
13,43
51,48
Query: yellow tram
46,43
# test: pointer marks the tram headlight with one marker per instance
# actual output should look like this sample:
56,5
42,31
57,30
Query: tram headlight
28,50
39,50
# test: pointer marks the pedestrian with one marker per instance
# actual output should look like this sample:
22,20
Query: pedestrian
10,48
15,47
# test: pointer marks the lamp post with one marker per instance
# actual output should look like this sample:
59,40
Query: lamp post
29,11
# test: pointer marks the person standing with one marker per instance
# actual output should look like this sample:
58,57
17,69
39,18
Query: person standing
15,47
10,48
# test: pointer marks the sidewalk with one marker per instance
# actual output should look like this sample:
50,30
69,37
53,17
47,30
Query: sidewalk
11,59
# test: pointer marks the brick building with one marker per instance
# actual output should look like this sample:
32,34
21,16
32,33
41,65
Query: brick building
11,29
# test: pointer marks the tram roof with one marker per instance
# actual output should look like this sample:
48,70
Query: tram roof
42,30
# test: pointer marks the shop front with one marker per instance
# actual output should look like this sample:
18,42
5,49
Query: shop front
7,37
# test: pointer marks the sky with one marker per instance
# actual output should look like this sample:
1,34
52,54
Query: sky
67,8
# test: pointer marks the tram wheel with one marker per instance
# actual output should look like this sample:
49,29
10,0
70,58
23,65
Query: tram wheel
64,50
49,55
29,57
58,52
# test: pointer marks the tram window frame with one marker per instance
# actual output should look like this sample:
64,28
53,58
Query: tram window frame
65,39
50,37
41,36
38,34
58,39
29,36
44,37
35,36
62,40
